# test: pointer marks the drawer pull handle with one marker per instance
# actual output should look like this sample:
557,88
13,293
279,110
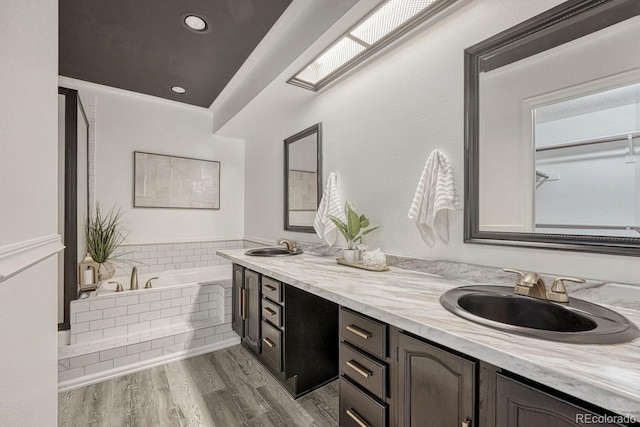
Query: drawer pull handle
466,423
269,311
359,369
270,288
359,332
357,418
268,342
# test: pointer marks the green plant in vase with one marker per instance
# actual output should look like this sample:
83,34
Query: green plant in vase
353,230
104,234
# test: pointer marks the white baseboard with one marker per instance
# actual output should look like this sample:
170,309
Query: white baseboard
145,364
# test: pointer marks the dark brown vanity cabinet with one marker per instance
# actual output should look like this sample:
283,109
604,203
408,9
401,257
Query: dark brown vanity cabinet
364,371
436,388
245,296
521,405
292,332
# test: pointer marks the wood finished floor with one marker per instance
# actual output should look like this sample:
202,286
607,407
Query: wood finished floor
226,388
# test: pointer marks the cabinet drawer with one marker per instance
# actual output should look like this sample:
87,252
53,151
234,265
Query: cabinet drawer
363,370
363,332
357,409
271,289
272,346
272,312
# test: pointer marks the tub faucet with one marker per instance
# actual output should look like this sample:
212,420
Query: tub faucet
134,278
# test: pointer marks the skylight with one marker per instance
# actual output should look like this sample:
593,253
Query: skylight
388,21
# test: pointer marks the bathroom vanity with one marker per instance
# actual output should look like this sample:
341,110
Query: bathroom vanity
409,359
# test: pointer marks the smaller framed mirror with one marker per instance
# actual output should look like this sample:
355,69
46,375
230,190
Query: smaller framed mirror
302,178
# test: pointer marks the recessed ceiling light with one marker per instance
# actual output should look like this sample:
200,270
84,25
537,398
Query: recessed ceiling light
195,22
178,89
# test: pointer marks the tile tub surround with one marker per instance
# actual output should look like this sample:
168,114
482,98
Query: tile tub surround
604,375
152,258
120,333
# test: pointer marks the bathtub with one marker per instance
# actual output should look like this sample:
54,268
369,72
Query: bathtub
165,279
200,296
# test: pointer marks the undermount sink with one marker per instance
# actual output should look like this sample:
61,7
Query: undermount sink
273,251
577,322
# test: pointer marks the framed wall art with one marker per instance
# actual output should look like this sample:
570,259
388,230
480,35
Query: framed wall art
162,181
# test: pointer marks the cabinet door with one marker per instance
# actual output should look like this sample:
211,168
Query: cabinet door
237,298
519,405
252,313
436,388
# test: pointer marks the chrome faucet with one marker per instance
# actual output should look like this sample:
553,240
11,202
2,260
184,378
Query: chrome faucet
532,285
134,278
291,246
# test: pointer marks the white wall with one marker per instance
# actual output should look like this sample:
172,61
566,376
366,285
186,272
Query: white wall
128,122
28,194
379,125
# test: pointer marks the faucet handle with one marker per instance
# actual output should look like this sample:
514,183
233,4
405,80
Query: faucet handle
558,292
118,286
520,274
291,246
148,284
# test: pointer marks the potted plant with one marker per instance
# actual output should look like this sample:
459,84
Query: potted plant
353,230
104,233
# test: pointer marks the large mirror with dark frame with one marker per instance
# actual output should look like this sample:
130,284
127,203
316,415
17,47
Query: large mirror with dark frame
302,178
552,127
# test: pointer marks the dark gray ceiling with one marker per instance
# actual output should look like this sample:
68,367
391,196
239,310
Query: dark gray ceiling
143,46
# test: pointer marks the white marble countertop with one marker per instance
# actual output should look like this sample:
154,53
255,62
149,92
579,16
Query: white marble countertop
605,375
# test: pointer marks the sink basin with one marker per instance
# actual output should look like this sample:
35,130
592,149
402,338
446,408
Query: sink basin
577,322
273,251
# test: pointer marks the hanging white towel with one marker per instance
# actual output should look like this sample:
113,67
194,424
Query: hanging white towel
435,195
329,204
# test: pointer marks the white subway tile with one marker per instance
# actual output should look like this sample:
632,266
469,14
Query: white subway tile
179,259
179,246
159,305
229,335
103,323
113,353
138,348
209,289
164,247
206,332
149,296
127,300
190,290
88,316
201,298
187,252
101,303
78,328
150,315
126,360
200,252
180,301
194,245
97,367
188,309
169,312
63,364
223,328
114,332
193,258
181,318
156,254
199,315
152,354
186,265
194,344
206,245
114,312
89,336
162,342
173,293
209,305
137,327
85,359
127,320
78,306
137,308
159,323
200,263
156,268
184,337
70,374
174,348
